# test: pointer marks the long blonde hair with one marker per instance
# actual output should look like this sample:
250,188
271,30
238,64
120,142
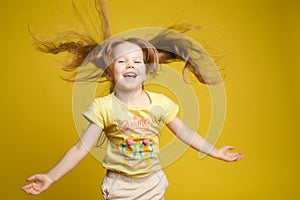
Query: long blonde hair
164,47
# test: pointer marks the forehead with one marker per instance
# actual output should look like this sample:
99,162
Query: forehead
126,48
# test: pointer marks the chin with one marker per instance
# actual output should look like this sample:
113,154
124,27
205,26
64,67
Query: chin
130,85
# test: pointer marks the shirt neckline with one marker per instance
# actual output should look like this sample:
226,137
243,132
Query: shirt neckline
134,106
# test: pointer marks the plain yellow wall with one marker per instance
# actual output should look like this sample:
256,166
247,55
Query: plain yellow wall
259,43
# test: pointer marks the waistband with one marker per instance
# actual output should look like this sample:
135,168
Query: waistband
126,178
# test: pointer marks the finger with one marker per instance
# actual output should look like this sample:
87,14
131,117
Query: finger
238,156
31,178
30,189
26,187
232,156
229,147
25,190
241,155
35,191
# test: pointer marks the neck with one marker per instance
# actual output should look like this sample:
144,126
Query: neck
136,97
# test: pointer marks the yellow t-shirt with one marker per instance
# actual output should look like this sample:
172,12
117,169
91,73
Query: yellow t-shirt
132,132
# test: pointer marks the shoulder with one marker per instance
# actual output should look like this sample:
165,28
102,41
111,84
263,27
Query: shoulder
155,95
163,107
104,99
158,97
101,103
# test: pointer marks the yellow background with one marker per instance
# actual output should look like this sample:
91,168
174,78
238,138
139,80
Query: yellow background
259,42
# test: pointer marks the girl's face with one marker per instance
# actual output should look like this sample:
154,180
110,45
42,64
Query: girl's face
128,70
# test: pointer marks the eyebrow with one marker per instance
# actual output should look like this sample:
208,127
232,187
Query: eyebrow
137,57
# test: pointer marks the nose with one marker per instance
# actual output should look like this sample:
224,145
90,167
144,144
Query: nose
129,65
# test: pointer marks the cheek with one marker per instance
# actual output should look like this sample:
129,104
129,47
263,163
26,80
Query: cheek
143,69
117,71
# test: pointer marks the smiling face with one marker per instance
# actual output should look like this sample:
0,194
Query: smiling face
128,71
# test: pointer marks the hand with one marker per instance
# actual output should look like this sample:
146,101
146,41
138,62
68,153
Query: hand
39,183
225,155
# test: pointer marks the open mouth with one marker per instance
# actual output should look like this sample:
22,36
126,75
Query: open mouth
130,75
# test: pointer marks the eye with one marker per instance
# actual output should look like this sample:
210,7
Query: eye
120,61
138,61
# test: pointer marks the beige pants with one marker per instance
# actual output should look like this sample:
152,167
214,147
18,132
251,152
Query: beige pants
117,186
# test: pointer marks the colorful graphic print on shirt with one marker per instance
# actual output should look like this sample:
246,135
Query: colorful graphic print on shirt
136,149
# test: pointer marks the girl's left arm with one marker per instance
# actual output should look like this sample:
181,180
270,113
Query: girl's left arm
190,137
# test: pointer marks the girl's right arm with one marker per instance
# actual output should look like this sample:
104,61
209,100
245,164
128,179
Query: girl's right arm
41,182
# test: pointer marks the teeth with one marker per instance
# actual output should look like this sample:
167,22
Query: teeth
130,75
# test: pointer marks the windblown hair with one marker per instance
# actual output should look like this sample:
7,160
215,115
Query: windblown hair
175,47
164,47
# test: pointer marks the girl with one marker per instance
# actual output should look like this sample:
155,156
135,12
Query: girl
129,116
132,156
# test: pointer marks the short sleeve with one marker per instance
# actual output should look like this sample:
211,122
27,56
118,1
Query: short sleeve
170,109
94,113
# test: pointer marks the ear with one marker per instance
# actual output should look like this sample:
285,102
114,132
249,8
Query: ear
109,75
